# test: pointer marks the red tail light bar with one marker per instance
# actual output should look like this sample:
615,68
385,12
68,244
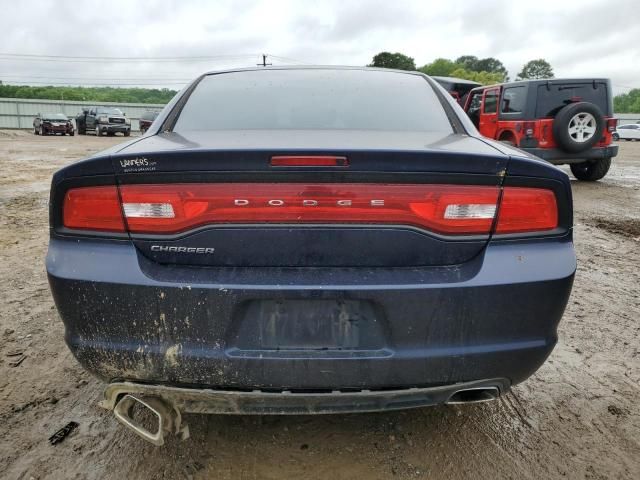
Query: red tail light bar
176,208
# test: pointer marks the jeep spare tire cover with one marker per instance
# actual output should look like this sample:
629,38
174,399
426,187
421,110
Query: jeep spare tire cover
578,127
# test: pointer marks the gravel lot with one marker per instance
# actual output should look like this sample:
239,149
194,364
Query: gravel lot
578,417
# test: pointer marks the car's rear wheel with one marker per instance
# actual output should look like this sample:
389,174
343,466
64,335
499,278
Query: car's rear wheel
615,136
578,127
35,131
591,171
41,131
126,134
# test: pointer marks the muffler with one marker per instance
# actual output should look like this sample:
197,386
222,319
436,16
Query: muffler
166,416
474,395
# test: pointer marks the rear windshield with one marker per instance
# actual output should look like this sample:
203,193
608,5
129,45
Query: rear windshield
54,116
556,96
149,116
110,111
313,99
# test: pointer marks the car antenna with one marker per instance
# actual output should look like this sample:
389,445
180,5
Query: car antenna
264,61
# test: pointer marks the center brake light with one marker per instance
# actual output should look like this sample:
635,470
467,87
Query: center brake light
176,208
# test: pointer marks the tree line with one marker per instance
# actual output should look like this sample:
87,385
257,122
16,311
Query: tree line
89,94
482,70
627,102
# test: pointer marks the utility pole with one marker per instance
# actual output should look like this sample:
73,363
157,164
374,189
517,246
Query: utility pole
264,61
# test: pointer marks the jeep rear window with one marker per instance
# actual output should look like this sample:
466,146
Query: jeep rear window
513,100
313,99
556,96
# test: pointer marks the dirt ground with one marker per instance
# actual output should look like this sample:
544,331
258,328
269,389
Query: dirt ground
578,417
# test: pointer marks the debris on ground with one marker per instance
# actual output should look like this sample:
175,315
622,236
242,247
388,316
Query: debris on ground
17,360
63,433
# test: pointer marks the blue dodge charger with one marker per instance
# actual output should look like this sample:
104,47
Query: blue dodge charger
308,240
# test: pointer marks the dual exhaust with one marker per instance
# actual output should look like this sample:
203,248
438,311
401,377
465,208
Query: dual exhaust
152,417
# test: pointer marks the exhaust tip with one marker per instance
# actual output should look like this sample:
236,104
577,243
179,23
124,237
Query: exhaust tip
474,395
123,411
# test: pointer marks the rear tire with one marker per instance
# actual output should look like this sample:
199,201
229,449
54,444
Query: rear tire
578,127
41,131
127,134
591,171
35,131
615,136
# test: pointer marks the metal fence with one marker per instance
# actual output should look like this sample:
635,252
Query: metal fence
20,112
624,118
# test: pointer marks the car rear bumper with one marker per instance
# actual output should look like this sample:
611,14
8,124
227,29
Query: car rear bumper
127,318
256,402
559,157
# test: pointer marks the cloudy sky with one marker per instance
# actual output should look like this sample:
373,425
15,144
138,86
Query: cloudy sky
156,42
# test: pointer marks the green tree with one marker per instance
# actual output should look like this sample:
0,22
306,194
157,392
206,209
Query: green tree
89,94
485,78
441,67
491,65
494,66
536,69
468,62
627,102
396,60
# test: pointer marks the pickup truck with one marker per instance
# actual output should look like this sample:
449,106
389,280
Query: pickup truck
103,121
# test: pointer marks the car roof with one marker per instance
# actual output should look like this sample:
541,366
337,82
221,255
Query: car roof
313,67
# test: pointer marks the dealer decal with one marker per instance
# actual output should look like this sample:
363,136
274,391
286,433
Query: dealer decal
138,164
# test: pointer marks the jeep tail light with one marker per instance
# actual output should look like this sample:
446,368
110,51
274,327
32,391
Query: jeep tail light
93,208
529,128
612,124
527,210
445,209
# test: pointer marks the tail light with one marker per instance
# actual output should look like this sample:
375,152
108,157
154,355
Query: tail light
447,209
175,208
93,208
529,128
612,124
527,210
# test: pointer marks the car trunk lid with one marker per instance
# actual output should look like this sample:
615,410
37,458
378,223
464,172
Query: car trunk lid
227,203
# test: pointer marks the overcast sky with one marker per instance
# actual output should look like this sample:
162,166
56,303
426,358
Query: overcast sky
578,38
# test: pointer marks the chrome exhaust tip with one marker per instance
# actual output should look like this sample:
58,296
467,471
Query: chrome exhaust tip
474,395
167,418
